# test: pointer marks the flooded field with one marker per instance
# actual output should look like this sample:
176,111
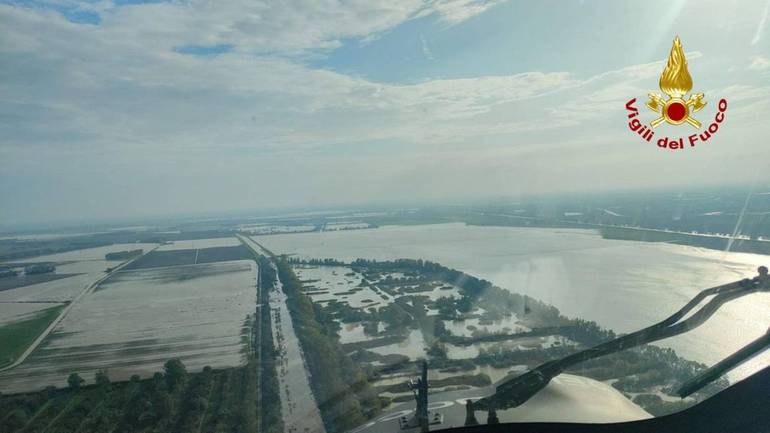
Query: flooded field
13,312
362,300
178,257
346,226
83,267
467,327
193,244
138,319
299,410
269,229
622,285
327,283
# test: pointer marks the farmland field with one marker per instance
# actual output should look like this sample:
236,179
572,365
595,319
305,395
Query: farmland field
74,271
178,257
19,334
17,311
29,303
139,318
193,244
29,280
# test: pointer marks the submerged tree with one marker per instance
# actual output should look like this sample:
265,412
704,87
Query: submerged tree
74,381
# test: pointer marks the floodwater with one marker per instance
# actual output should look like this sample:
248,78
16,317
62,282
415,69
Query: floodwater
86,265
326,283
137,320
622,285
298,405
14,312
193,244
466,328
413,346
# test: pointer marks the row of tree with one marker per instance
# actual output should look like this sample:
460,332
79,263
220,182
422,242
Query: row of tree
270,403
174,401
342,390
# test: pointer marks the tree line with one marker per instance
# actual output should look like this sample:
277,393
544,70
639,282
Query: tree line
341,389
640,370
175,401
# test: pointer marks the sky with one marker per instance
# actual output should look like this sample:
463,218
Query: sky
135,108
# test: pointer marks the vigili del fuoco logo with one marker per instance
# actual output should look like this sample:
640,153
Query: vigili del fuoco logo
676,82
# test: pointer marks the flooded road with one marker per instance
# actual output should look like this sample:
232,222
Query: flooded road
298,406
300,411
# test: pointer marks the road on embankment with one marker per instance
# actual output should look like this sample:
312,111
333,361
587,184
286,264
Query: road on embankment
298,405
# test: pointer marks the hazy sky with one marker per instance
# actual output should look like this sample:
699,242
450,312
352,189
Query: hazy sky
133,108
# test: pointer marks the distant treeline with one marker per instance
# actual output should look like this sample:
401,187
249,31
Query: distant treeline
14,249
39,268
655,234
650,227
123,255
695,240
315,262
8,272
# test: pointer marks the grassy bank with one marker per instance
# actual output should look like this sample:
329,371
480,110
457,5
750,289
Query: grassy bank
17,336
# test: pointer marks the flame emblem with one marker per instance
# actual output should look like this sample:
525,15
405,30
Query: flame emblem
676,82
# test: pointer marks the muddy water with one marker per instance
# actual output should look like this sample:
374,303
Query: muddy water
298,406
137,320
85,266
622,285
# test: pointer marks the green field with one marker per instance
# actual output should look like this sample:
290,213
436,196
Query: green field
17,336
